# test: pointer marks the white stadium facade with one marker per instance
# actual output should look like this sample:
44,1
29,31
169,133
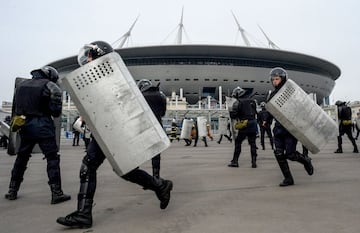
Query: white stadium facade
198,71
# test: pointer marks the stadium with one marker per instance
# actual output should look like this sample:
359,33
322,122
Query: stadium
196,72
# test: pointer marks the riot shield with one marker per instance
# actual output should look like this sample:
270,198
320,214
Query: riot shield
116,112
230,102
186,129
223,122
302,117
201,123
4,128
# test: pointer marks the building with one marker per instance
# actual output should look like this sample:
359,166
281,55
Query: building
195,72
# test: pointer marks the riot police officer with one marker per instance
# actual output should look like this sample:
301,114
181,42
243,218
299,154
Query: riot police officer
82,217
265,120
244,110
38,100
157,102
345,125
285,142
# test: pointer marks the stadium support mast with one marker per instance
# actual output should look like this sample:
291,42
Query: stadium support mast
271,44
124,38
181,28
242,31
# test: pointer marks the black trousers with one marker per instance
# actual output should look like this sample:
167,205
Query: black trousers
49,149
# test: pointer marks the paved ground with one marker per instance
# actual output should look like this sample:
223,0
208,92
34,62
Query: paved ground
208,196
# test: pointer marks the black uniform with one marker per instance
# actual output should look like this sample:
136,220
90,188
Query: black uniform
38,99
345,126
265,120
157,102
244,109
82,217
285,148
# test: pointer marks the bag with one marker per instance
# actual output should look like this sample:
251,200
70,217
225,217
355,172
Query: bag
17,122
241,124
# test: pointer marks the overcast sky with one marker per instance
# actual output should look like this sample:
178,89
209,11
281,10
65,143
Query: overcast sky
37,32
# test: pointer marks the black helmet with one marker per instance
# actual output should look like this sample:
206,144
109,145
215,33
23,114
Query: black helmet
238,92
48,72
144,85
339,103
95,50
278,72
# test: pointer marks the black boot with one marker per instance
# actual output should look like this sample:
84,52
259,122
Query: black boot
162,192
253,162
338,151
82,218
284,167
306,161
57,195
13,189
233,164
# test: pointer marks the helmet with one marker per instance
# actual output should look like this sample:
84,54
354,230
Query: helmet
238,92
48,72
144,85
94,50
339,103
278,72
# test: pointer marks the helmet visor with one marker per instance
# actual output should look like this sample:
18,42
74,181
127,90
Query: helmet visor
84,54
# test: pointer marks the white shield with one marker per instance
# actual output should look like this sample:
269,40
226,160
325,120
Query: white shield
186,129
302,117
4,128
77,125
116,112
201,122
223,123
230,102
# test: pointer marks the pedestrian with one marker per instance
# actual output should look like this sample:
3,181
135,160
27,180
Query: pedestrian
345,124
265,119
284,141
244,111
82,217
76,134
173,133
157,102
38,100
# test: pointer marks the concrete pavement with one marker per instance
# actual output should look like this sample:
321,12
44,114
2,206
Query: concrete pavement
208,196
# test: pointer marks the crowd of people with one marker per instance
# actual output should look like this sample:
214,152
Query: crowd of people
38,101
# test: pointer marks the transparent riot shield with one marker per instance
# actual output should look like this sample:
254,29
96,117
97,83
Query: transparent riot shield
116,112
302,117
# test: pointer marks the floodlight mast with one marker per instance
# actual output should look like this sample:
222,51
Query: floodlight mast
124,38
271,44
242,31
181,28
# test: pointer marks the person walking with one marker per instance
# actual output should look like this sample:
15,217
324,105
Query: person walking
345,124
244,111
38,100
157,102
265,119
